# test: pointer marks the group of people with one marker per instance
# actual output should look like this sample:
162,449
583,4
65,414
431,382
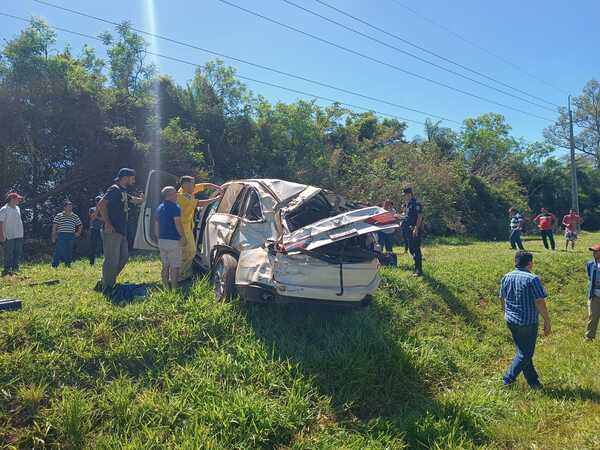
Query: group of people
546,223
523,299
410,217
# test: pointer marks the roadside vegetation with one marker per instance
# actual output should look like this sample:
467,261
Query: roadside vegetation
419,368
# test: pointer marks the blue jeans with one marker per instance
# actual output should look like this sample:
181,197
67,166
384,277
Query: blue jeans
524,337
515,240
64,249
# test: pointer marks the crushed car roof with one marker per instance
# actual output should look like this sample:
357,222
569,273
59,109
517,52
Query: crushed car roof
283,190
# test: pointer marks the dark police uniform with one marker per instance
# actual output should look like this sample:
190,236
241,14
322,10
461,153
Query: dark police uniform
413,209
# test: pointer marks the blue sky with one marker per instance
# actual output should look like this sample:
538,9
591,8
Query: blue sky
554,40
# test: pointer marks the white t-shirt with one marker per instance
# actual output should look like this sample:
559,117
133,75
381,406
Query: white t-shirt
11,222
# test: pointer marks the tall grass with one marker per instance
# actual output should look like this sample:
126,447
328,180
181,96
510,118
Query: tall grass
420,368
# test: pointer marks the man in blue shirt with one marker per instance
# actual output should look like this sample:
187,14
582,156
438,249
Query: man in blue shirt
593,272
523,300
171,238
114,211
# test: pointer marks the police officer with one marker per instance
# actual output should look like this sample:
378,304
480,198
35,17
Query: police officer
412,227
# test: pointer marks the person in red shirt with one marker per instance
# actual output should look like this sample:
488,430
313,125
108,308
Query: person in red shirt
570,222
546,222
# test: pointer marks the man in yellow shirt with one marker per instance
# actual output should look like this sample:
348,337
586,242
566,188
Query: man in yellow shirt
186,199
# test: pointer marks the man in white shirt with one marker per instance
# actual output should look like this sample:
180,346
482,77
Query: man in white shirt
11,233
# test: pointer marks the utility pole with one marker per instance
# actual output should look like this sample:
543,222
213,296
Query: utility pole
574,195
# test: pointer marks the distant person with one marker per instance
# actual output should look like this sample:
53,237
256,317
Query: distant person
516,228
523,299
186,199
171,237
386,237
11,234
96,224
571,221
114,210
593,272
66,227
412,226
546,221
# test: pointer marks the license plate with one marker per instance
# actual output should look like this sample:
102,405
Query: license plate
343,234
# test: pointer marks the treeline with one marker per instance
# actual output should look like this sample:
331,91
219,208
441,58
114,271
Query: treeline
70,120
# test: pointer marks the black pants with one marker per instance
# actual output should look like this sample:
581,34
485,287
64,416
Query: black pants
414,246
548,235
406,238
95,245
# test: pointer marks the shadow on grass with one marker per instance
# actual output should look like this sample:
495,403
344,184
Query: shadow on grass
355,357
452,301
572,394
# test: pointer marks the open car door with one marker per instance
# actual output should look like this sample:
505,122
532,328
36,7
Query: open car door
145,237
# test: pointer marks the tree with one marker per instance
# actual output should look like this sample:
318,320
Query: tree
586,120
488,147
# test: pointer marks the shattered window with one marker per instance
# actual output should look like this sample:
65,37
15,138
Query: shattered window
253,210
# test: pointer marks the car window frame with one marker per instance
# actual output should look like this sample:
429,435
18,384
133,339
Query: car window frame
247,198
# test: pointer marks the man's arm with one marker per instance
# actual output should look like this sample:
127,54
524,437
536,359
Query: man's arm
540,305
54,232
179,227
418,225
208,201
103,211
157,229
199,187
2,239
78,227
136,200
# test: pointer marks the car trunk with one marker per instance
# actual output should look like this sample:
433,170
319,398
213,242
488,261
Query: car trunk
328,254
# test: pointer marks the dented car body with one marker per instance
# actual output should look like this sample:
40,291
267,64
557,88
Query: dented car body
275,241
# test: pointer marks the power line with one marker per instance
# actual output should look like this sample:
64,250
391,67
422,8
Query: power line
474,44
266,83
253,64
437,55
379,61
412,55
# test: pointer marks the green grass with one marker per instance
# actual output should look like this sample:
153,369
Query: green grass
420,368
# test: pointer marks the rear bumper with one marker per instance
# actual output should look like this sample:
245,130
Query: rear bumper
280,293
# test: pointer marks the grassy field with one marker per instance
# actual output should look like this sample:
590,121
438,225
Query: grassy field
420,368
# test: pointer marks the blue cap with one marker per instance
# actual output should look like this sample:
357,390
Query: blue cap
125,172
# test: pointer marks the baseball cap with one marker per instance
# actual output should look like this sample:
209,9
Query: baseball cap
595,248
407,190
125,172
13,195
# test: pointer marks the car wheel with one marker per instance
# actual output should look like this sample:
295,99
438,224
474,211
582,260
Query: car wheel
224,277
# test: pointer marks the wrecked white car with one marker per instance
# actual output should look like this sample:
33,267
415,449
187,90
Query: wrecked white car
276,241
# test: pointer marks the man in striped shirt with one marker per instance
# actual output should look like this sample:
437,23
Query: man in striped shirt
523,300
65,228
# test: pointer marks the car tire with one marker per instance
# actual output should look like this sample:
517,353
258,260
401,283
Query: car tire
224,277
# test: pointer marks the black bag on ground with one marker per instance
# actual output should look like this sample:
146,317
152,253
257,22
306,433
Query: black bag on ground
388,259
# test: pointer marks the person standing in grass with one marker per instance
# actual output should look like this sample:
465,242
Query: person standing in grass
516,228
386,237
186,199
593,272
546,221
96,223
412,227
571,221
114,210
65,229
11,234
523,300
171,237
